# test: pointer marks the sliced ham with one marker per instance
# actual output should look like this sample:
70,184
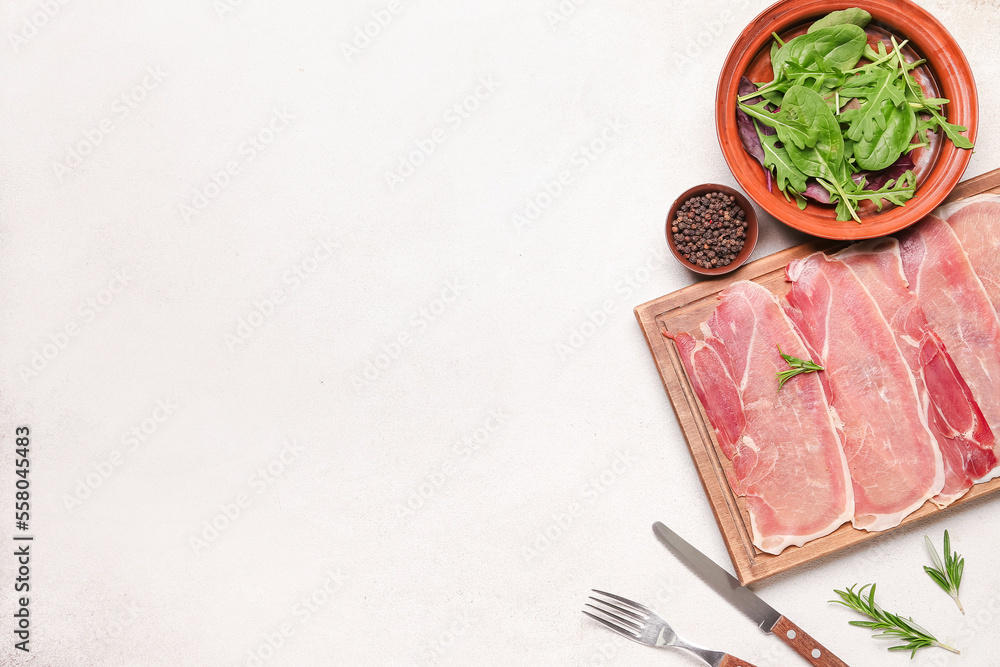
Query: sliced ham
959,309
966,442
977,227
786,456
894,460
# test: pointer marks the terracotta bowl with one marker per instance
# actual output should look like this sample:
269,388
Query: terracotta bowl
939,167
748,245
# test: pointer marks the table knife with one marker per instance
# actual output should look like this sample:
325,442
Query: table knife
741,597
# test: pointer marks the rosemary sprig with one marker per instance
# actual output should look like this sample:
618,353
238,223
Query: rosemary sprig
948,574
892,626
797,366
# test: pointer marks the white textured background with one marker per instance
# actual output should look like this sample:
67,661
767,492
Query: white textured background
388,534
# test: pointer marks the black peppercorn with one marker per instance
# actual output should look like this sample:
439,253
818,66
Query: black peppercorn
710,230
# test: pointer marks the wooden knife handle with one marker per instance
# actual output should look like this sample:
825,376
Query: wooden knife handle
810,649
730,661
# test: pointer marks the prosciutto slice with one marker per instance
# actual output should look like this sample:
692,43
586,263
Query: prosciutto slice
894,459
784,446
977,227
965,440
959,309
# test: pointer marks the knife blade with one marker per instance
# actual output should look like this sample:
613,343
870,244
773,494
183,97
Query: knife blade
746,601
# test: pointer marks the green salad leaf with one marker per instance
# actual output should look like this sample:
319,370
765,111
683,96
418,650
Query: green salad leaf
895,191
790,129
786,174
864,122
825,160
836,48
855,16
891,137
842,111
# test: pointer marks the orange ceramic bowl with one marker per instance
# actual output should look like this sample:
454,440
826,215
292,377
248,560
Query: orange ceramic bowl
939,167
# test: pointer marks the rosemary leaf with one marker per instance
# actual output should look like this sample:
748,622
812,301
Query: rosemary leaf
892,626
798,366
947,574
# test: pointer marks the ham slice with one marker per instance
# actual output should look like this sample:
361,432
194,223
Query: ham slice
894,459
784,446
959,309
963,436
977,227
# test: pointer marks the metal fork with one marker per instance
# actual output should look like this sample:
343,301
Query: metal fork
642,624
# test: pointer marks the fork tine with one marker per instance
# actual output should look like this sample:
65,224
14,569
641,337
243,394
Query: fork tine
612,626
619,609
632,625
634,605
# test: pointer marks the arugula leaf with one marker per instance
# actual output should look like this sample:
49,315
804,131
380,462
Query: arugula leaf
898,192
865,121
800,200
861,83
878,57
912,87
795,75
790,129
951,130
776,157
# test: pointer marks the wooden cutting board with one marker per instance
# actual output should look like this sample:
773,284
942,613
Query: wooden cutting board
685,310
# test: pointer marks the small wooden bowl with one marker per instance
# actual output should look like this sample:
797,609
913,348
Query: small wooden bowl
946,74
748,244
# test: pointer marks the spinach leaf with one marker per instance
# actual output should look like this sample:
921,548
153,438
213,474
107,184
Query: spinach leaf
855,16
891,138
775,46
834,49
826,159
